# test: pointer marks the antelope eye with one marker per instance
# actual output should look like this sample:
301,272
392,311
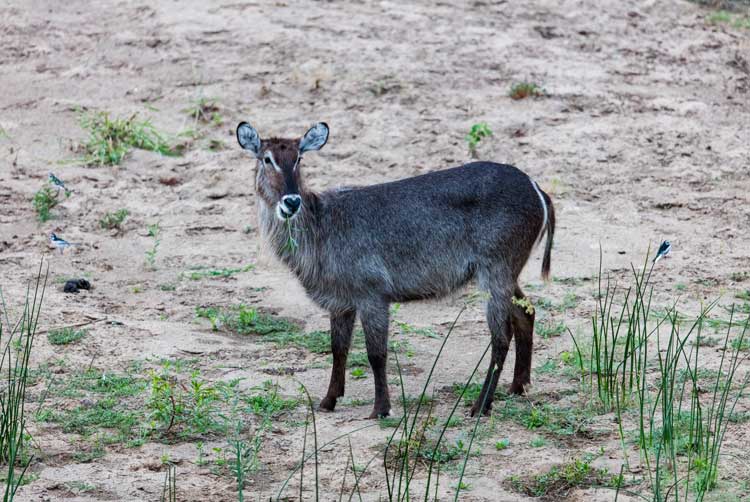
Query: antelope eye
267,160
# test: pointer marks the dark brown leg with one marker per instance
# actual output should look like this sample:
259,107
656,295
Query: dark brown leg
342,326
375,325
490,382
522,325
499,323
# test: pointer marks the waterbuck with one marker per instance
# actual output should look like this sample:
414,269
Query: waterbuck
356,250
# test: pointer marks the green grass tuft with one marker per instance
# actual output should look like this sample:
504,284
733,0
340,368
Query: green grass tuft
64,336
110,139
44,200
199,273
523,90
556,483
247,320
112,220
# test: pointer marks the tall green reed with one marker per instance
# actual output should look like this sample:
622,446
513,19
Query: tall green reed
641,367
14,366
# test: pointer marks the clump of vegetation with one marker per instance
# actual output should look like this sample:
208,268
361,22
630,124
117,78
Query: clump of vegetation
476,134
737,21
549,329
409,329
523,90
78,487
110,139
205,110
502,444
358,374
470,391
556,483
198,273
14,368
186,408
112,220
246,320
154,230
741,343
44,200
65,336
216,145
679,432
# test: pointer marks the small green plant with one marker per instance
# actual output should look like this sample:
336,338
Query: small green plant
205,110
265,401
741,344
358,373
538,442
44,200
64,336
216,145
407,328
187,408
469,391
201,460
266,404
502,444
247,320
523,90
110,139
476,134
549,330
78,487
154,231
112,220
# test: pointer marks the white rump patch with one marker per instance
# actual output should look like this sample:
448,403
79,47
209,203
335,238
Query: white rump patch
544,207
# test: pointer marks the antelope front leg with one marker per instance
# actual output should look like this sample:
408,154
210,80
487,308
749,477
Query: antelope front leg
341,337
375,325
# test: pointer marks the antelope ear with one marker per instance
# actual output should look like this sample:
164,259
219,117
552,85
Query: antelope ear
248,138
315,138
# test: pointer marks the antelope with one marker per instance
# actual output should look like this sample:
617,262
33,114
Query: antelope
356,250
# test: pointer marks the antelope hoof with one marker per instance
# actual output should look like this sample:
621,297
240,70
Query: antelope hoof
379,413
486,411
517,389
328,403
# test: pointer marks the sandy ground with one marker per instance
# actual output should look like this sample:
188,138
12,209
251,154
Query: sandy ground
642,136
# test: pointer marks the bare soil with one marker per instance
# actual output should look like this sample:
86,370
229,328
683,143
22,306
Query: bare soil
641,136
